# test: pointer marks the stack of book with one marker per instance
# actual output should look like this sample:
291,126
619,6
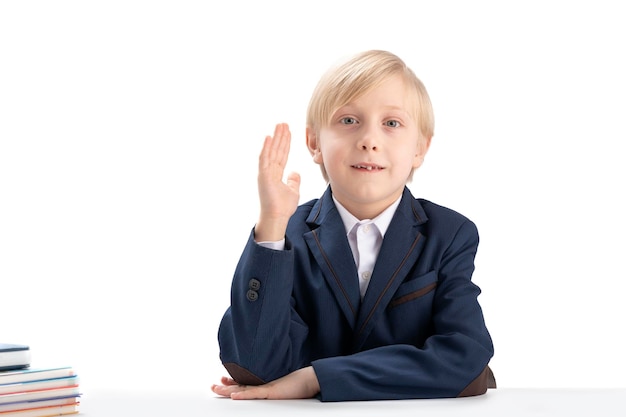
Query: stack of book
34,392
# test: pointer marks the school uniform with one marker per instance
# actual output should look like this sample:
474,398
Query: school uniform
417,332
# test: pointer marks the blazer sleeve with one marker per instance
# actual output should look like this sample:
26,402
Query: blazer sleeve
452,362
261,337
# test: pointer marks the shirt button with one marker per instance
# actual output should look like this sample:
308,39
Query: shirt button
366,228
252,295
366,275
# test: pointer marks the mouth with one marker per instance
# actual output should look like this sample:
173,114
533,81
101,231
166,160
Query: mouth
367,167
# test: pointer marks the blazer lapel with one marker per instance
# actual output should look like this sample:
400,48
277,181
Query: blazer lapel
401,247
328,243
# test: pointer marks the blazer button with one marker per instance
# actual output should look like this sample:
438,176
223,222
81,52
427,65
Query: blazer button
254,284
252,295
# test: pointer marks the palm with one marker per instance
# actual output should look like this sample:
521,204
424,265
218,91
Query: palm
279,199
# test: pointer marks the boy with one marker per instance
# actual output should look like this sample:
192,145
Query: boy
366,293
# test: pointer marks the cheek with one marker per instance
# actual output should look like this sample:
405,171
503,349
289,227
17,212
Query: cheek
334,157
405,160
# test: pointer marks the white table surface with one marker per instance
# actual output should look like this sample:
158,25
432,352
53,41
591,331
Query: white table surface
501,402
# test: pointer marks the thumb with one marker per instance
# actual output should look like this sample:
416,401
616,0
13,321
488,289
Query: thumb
293,181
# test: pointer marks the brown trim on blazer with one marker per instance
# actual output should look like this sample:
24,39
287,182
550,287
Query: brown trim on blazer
332,270
242,375
412,296
480,385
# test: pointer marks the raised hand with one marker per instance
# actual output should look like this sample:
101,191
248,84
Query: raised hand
279,199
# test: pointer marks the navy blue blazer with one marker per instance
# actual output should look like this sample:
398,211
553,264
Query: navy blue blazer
419,331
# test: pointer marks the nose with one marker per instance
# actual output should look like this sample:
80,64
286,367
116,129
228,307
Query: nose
368,139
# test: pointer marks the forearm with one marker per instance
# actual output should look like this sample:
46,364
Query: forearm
402,372
259,334
269,229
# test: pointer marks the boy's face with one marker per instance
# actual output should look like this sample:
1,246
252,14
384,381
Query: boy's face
369,148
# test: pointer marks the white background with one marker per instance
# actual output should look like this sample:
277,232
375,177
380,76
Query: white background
129,135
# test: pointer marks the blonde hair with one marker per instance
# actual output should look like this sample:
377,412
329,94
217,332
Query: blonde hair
358,75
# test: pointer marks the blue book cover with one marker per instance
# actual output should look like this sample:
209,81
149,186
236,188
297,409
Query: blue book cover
14,356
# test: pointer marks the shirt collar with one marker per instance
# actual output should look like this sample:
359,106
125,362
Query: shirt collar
381,221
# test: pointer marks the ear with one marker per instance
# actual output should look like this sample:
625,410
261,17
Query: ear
313,143
422,147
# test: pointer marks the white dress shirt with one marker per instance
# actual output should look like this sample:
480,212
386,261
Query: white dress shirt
364,236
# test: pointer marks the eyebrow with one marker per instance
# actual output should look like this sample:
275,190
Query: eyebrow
391,107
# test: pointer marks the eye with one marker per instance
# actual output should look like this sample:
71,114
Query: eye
348,120
392,123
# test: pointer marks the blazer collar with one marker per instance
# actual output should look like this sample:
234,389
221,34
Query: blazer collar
325,207
329,246
328,243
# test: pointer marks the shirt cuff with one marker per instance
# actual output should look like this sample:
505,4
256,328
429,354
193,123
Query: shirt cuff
276,245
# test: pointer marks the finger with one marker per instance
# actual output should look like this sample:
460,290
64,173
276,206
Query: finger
251,393
275,152
269,147
278,145
293,181
220,390
228,381
265,151
226,390
283,143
